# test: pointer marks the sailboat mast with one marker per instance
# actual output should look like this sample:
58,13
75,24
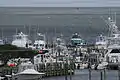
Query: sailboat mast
2,33
24,29
38,28
109,13
29,29
16,31
115,17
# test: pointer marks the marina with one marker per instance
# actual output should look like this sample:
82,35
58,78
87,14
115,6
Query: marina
33,54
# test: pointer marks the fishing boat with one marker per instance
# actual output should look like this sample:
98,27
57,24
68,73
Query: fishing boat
101,42
21,40
76,40
112,55
113,51
40,42
26,71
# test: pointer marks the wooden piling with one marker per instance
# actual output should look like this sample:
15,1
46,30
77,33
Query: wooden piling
101,75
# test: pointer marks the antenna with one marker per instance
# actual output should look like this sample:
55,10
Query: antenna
115,17
38,28
109,13
29,29
2,33
24,29
16,30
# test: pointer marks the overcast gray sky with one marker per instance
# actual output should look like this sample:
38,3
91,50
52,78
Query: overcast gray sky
61,3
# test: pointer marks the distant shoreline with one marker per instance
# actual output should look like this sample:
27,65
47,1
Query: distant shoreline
53,7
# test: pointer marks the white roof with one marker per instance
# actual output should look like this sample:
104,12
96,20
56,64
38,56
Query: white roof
2,78
76,39
114,46
101,43
30,72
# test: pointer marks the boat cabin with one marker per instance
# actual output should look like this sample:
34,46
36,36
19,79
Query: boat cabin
21,40
76,40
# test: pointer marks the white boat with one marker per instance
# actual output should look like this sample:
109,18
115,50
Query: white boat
113,55
26,71
101,42
113,47
40,42
21,40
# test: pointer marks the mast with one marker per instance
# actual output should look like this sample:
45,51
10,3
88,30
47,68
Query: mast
2,33
29,29
16,31
46,38
115,17
24,29
109,13
38,28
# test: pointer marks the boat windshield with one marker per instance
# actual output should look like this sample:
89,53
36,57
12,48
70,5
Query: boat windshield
115,51
39,37
100,39
18,37
77,41
24,66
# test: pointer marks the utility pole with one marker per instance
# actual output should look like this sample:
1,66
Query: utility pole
119,71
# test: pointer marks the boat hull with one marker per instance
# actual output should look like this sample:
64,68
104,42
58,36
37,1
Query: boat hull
27,77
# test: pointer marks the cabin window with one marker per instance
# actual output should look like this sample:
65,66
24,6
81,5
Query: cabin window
41,44
101,38
19,37
113,35
115,51
38,56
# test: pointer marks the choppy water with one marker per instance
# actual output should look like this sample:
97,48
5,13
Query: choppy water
86,21
83,75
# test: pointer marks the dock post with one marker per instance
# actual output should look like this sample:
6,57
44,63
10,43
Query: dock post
101,75
89,74
70,70
66,69
104,73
